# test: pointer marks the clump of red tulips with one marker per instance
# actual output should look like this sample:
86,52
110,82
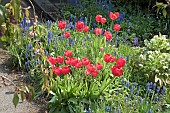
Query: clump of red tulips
91,69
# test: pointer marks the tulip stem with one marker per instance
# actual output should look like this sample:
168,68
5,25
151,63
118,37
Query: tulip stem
111,26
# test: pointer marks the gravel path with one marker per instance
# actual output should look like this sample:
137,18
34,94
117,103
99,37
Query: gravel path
7,91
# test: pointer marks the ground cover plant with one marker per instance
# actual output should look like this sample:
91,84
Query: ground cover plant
153,60
78,67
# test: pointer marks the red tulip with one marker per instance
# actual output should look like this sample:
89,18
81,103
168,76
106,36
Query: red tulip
68,61
98,31
94,73
85,61
99,66
114,16
87,72
86,29
98,18
79,26
52,60
91,68
65,70
107,58
117,14
108,35
61,25
57,71
78,65
116,71
68,53
74,61
60,59
113,58
67,34
116,27
120,62
103,20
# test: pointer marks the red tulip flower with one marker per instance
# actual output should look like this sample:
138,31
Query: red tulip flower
98,31
87,72
85,61
61,25
79,65
94,73
86,29
113,59
57,71
120,62
114,15
107,58
52,60
116,71
79,26
117,14
103,20
117,27
98,18
91,68
60,59
108,35
99,66
67,34
74,61
65,70
68,61
68,53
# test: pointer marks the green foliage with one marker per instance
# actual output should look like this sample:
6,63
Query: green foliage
161,7
2,15
15,4
26,93
153,61
15,99
10,17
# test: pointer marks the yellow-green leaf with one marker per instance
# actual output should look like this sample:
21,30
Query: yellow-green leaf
164,12
2,17
16,8
27,13
22,95
15,99
159,4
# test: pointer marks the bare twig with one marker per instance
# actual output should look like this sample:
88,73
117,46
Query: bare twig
4,77
32,7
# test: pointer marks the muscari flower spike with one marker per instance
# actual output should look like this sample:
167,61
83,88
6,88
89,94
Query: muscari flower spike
29,46
108,109
140,100
163,90
156,99
119,111
26,54
125,99
88,111
158,89
150,111
154,86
